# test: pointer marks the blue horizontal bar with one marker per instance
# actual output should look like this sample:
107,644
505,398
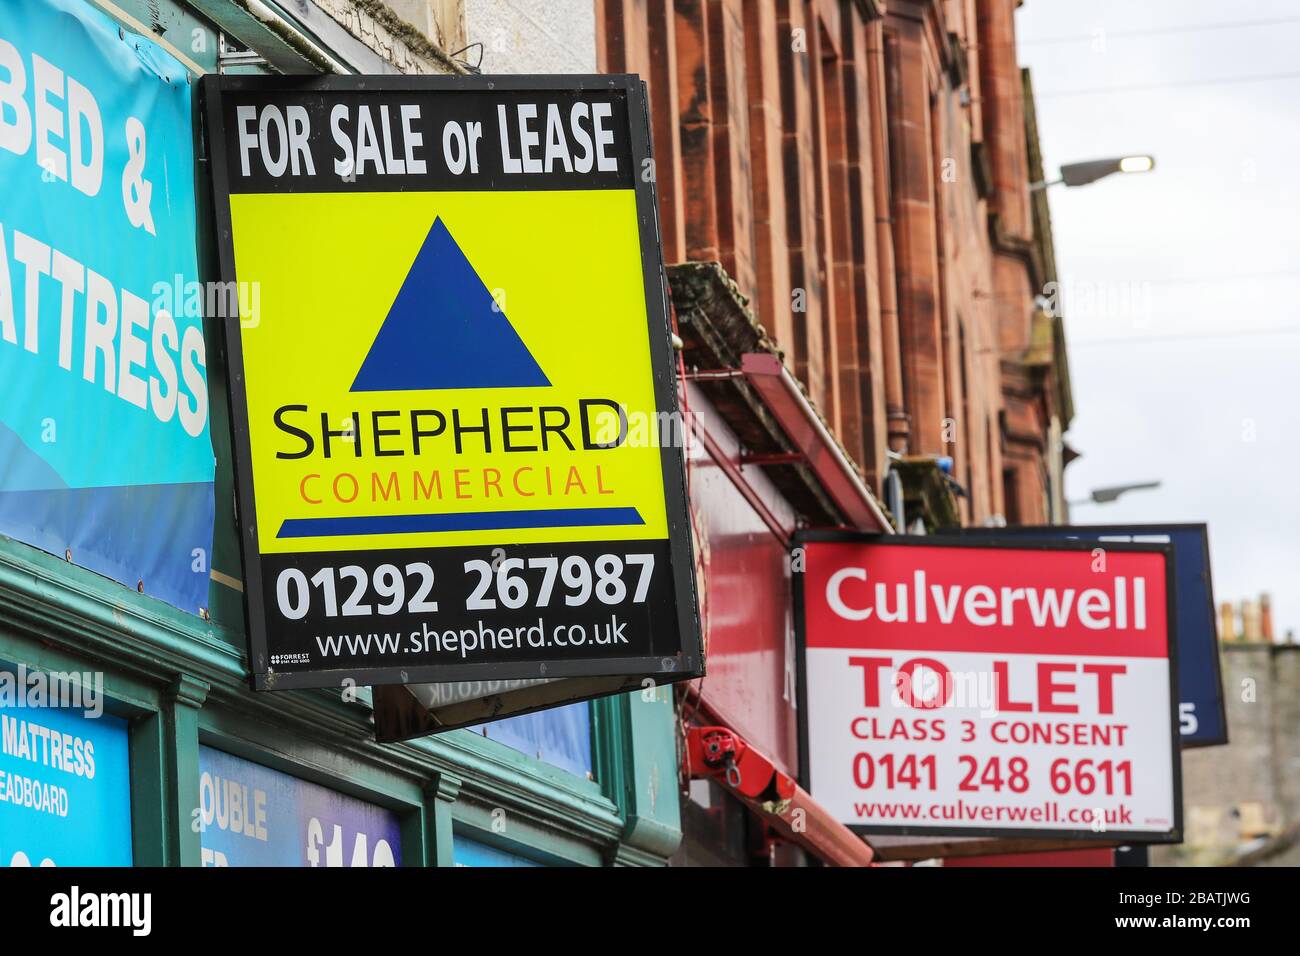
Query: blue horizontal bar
463,521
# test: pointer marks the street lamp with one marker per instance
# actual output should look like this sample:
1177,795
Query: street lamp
1080,174
1104,496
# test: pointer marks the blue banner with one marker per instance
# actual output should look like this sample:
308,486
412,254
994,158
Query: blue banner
105,453
254,816
65,787
467,852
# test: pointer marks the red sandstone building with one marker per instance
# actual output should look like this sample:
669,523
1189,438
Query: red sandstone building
852,240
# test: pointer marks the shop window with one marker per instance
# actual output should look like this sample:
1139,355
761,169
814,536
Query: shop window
65,779
254,816
560,736
467,852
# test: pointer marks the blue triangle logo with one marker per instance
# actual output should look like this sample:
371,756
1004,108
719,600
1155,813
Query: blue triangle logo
444,330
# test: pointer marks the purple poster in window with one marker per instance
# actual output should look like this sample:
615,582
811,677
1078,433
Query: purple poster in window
254,816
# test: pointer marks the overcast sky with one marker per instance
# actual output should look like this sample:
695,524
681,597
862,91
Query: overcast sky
1181,285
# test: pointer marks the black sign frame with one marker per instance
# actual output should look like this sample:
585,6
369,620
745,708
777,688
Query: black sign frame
688,662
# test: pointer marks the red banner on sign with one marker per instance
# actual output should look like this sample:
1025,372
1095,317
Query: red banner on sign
1096,603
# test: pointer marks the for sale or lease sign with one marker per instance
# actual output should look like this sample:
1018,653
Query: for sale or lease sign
958,688
452,393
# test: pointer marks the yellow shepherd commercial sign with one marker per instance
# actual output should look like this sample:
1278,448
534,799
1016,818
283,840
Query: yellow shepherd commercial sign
452,385
487,442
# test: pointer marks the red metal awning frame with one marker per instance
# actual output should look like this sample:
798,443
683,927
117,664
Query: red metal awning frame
768,377
719,754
